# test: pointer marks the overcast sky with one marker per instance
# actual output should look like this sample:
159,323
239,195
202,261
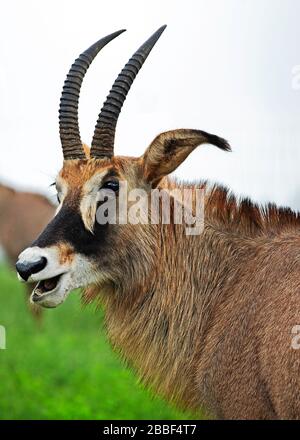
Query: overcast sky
230,67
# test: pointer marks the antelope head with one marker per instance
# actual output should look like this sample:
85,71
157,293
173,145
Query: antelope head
75,250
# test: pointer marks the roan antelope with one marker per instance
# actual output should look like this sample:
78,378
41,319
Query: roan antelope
206,320
23,215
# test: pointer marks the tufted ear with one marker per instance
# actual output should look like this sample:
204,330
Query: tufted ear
169,149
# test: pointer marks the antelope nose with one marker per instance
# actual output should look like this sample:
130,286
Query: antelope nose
26,268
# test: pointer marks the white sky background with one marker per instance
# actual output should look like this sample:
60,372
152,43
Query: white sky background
223,66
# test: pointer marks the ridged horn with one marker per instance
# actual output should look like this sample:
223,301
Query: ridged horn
104,134
68,108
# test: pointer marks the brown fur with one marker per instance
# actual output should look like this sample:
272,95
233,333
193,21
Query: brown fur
77,172
66,254
212,324
206,320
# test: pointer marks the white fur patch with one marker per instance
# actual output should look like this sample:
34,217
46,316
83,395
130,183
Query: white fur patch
53,267
77,273
80,274
88,205
62,189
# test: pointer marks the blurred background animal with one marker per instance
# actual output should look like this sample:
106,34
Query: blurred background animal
23,215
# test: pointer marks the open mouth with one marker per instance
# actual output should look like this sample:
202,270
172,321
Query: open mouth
44,287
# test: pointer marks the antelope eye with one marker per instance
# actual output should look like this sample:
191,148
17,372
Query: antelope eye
112,185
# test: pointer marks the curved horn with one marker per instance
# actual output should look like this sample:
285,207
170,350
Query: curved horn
104,134
68,108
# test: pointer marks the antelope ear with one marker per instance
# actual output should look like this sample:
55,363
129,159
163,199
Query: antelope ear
169,149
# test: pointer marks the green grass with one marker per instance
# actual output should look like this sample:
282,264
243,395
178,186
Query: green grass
65,368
